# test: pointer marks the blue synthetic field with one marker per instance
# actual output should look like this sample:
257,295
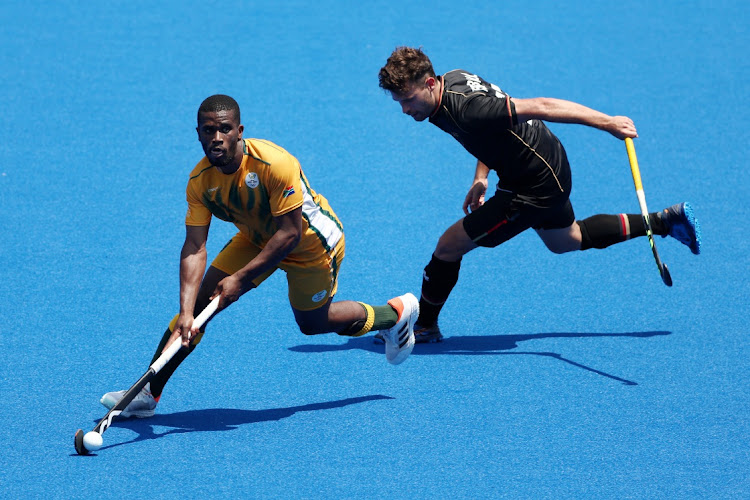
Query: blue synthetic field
573,376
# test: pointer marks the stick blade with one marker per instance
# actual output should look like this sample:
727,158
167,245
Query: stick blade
80,448
665,276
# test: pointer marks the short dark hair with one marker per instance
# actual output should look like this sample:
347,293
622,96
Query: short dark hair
404,67
219,102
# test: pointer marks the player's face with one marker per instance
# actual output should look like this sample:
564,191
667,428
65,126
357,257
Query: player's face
419,100
220,134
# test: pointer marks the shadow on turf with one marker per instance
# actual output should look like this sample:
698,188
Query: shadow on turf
473,345
221,419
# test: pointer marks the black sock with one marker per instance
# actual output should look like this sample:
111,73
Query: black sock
657,225
439,278
601,231
160,379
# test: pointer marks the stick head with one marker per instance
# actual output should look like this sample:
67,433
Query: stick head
665,276
80,448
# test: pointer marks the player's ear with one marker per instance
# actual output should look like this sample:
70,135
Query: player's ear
241,129
430,82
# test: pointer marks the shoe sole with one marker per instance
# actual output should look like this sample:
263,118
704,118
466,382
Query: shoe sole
138,414
690,216
691,224
418,339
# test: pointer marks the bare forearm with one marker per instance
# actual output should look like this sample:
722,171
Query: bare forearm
562,111
558,110
192,266
482,172
277,248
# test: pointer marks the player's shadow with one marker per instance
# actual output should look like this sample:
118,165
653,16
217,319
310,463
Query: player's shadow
476,345
221,419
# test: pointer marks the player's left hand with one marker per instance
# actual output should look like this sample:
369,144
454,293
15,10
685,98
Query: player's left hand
230,289
475,197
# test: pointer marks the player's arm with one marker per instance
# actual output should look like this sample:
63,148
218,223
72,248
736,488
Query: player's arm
192,266
283,241
475,197
562,111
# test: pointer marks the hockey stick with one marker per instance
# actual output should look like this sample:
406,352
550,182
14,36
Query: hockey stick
131,393
663,271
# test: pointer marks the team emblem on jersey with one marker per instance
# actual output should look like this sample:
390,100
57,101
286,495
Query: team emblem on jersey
319,296
288,192
252,180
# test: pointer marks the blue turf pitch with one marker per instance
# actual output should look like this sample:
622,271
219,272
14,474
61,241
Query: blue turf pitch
573,376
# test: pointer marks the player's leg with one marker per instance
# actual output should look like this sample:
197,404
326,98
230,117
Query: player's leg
602,231
438,279
212,278
500,218
312,284
559,230
346,318
562,240
144,404
394,322
235,255
313,281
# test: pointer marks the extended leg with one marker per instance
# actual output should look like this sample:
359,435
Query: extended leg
346,318
602,231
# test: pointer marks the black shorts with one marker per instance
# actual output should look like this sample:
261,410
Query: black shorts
506,215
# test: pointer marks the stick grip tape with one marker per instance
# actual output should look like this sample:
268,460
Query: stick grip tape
633,164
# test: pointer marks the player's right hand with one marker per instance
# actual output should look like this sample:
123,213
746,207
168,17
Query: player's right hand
622,127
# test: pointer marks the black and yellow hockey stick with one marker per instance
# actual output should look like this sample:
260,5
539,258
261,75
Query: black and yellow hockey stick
665,276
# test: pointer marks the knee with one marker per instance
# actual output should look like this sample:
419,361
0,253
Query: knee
444,253
308,328
561,249
447,249
562,240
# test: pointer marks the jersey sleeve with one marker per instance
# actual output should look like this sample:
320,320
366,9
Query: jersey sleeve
489,111
284,185
198,214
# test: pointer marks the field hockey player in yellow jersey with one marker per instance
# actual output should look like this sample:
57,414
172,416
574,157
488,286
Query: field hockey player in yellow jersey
283,224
